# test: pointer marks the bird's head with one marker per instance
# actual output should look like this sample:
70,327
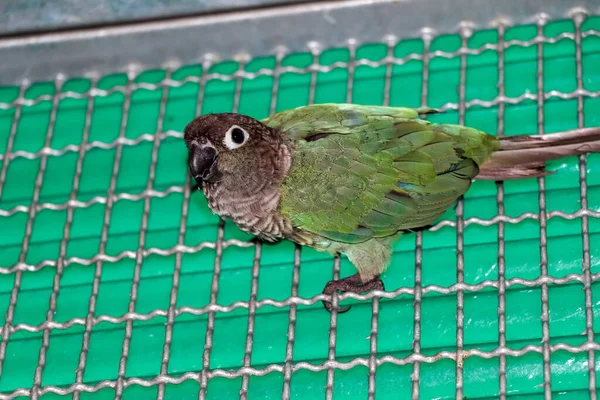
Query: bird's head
231,147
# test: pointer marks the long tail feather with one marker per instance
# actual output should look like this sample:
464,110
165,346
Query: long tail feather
524,156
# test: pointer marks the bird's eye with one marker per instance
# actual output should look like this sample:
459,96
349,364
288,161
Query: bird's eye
235,137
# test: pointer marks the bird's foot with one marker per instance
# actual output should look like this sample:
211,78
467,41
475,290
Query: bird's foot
350,284
262,241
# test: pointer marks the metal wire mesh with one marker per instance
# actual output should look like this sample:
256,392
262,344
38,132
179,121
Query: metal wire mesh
334,363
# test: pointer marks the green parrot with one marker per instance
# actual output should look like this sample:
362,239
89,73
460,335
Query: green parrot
351,179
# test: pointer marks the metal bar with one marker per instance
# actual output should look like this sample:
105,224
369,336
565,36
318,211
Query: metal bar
332,332
291,331
141,245
113,49
279,54
427,36
179,189
465,33
234,242
501,244
336,264
359,361
164,366
5,333
96,200
131,255
416,344
210,326
149,137
373,348
542,20
578,19
390,42
179,257
251,319
10,312
289,348
11,140
316,50
60,264
295,300
214,291
291,335
79,372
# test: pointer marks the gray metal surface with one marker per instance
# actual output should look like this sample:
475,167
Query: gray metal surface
288,367
187,40
18,16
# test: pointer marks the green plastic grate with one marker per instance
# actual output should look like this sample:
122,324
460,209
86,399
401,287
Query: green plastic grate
115,281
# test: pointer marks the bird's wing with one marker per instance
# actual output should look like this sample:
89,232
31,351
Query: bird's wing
365,171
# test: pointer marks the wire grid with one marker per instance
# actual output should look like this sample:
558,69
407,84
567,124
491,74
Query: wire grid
334,364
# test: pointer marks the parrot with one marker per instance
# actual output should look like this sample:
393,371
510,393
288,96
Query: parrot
349,179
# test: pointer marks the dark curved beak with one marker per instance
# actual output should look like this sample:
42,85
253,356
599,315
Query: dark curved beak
203,163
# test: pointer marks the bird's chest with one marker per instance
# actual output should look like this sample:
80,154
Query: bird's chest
255,213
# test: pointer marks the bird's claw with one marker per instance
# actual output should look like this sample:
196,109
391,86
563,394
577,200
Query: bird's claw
350,284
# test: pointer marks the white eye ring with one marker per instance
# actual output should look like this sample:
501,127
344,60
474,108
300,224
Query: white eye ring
235,137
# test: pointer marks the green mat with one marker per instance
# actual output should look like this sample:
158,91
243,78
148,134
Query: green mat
161,352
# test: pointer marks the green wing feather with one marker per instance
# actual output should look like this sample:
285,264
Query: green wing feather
360,172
